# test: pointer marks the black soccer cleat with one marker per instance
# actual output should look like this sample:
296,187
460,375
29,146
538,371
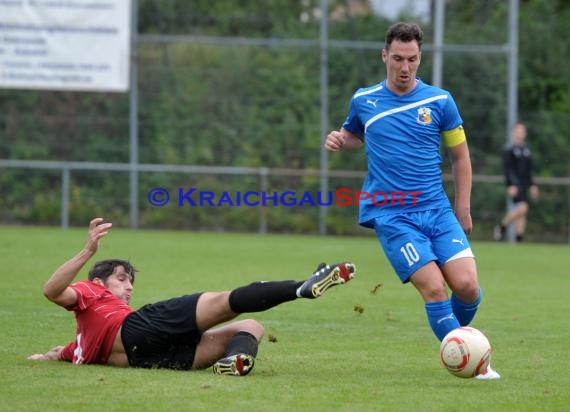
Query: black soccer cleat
327,276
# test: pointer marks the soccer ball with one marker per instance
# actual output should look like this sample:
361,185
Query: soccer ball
465,352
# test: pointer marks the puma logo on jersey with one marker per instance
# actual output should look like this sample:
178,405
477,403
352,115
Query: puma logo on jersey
460,241
372,102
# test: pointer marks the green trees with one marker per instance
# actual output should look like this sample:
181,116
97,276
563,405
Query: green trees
205,102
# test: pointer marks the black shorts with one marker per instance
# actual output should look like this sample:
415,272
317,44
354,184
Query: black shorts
522,194
163,334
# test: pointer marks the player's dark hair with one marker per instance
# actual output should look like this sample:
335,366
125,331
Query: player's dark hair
404,32
105,268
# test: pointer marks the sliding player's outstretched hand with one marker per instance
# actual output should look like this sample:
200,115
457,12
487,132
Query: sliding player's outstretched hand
97,229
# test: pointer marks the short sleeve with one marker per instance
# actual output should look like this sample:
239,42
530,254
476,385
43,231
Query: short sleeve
352,122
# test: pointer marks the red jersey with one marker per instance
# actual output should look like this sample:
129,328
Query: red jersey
99,315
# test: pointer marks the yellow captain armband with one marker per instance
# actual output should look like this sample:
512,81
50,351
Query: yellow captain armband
454,137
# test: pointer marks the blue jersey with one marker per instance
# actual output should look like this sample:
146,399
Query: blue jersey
402,137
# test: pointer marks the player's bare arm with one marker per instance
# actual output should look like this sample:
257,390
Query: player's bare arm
57,287
51,355
462,176
512,191
338,140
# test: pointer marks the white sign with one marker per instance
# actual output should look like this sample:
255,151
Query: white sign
81,45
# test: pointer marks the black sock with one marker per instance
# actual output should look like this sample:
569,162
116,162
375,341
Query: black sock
520,237
260,296
242,342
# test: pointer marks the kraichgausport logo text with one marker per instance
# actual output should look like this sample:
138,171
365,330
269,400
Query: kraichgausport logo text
340,197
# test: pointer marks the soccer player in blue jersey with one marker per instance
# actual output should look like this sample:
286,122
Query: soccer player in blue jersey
401,122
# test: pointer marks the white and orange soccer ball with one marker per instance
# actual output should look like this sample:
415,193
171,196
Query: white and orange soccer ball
465,352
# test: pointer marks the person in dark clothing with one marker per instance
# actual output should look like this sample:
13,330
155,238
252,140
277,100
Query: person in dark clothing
518,166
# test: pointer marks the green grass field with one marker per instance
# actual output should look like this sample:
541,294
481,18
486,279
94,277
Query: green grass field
327,356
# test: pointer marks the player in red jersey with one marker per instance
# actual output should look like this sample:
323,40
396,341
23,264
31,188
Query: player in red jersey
179,333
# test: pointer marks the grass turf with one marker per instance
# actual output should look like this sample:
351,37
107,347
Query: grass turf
365,346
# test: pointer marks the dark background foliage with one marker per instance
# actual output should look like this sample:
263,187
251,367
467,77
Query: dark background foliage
257,106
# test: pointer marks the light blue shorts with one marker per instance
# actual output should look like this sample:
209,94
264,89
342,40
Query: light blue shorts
412,240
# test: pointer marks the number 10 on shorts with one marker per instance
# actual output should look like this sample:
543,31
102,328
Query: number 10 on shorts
410,253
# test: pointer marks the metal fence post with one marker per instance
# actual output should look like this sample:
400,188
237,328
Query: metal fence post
264,184
133,120
65,189
324,84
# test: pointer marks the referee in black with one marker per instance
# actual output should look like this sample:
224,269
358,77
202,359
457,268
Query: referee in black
518,166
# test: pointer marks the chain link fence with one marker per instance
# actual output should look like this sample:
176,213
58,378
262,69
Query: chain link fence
230,99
